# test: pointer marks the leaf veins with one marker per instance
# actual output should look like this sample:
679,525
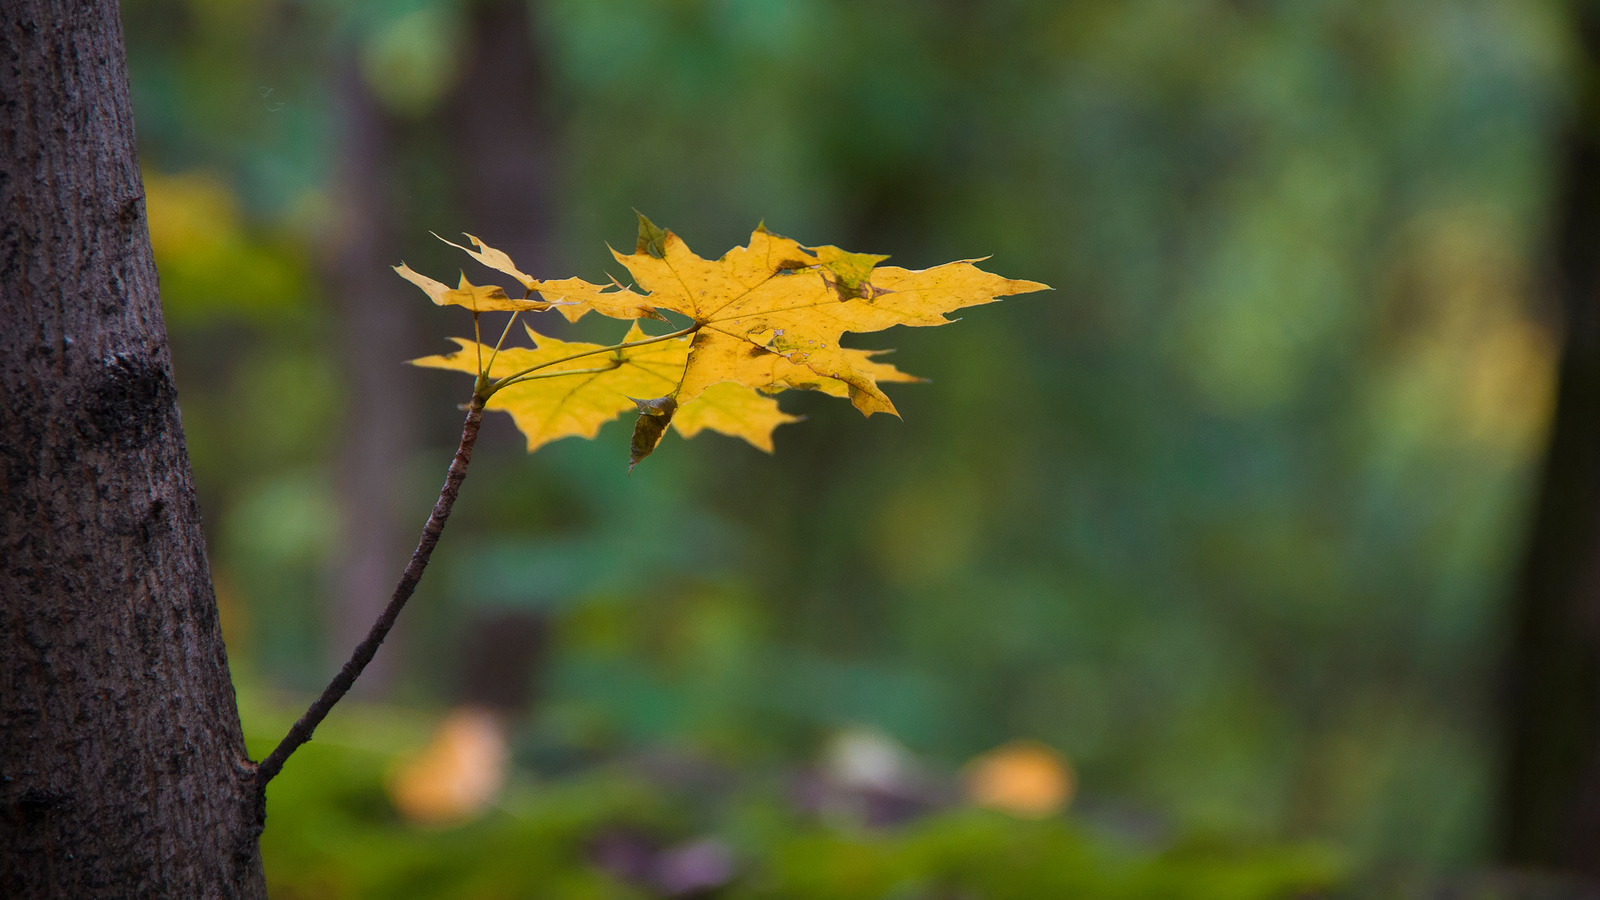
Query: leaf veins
764,318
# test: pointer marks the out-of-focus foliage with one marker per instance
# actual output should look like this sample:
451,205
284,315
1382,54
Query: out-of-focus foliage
623,831
1226,519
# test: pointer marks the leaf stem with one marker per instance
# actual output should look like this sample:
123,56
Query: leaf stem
535,376
301,731
493,356
518,376
477,341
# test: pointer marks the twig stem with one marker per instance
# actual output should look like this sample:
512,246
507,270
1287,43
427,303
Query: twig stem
301,732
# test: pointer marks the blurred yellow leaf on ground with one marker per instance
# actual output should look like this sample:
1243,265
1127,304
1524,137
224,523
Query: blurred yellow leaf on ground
457,775
1023,778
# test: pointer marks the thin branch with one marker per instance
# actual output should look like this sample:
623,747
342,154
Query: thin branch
301,732
497,385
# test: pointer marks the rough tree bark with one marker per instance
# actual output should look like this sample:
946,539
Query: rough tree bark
122,766
1550,804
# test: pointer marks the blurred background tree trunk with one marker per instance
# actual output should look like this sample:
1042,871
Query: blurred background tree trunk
501,124
125,773
1551,781
501,129
496,124
376,327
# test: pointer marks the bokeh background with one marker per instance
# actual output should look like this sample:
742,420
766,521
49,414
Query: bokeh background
1193,577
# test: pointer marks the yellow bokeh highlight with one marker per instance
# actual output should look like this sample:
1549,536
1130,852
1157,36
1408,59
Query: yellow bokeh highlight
1466,363
457,775
213,262
1024,778
191,213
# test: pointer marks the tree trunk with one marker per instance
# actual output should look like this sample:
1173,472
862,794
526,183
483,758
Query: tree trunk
1550,815
122,767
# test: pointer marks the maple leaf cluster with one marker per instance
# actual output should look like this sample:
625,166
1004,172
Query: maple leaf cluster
763,318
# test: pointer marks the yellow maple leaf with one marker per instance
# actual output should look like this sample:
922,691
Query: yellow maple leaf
734,410
476,297
777,297
582,386
764,318
572,297
746,364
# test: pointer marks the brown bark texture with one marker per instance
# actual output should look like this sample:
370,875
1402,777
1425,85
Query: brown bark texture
122,766
1550,787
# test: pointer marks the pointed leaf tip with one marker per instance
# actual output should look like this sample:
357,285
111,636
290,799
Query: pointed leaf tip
652,240
767,317
852,271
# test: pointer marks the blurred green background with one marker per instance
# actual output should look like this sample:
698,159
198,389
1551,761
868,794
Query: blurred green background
1228,520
